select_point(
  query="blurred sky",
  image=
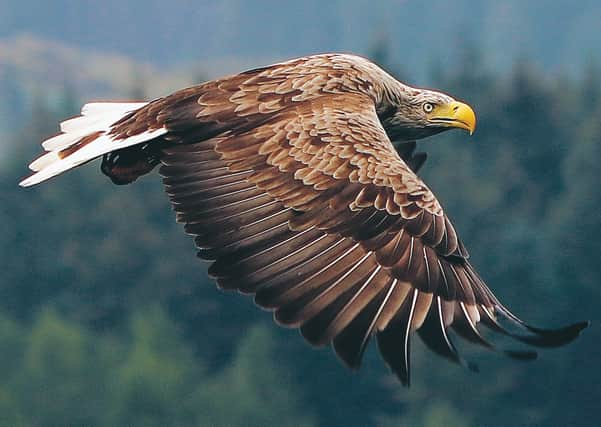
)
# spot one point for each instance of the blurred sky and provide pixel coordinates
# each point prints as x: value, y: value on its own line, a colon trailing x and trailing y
x: 558, y: 35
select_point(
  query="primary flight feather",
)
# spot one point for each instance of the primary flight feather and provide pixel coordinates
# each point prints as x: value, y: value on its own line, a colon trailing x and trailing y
x: 298, y: 180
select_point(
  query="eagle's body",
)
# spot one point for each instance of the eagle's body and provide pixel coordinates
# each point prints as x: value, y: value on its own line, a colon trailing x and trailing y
x: 288, y: 179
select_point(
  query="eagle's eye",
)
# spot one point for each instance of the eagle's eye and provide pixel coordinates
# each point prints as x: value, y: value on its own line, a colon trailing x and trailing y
x: 428, y: 107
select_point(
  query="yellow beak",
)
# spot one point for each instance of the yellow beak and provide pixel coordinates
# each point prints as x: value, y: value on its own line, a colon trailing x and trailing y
x: 455, y: 114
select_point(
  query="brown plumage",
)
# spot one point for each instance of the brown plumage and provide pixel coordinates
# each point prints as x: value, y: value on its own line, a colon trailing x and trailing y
x: 288, y: 179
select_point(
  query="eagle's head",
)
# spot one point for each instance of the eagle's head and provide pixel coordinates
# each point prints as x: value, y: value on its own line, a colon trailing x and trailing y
x: 420, y: 113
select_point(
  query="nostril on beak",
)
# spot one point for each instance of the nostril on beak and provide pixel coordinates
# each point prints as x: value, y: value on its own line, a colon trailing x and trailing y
x: 455, y: 108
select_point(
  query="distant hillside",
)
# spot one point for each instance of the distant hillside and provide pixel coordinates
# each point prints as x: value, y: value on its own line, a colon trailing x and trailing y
x: 39, y: 74
x: 38, y: 64
x: 34, y: 70
x: 31, y: 66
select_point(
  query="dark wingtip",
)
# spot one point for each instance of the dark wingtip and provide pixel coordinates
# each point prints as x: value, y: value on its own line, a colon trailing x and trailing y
x: 545, y: 337
x: 560, y: 336
x: 570, y: 330
x: 405, y: 379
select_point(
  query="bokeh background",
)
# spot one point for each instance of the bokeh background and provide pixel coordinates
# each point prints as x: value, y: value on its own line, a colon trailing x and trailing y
x: 108, y: 319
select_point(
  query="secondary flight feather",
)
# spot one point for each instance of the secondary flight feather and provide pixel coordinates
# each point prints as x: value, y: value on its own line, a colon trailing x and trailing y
x: 298, y: 181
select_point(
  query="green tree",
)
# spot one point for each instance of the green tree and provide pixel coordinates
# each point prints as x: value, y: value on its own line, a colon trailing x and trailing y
x: 256, y: 389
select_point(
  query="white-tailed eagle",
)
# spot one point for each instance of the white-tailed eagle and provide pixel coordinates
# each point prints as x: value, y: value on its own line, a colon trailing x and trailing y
x: 298, y: 181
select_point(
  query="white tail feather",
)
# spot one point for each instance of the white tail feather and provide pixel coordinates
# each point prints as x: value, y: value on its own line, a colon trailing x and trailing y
x: 82, y: 123
x: 43, y: 161
x: 96, y: 118
x: 94, y: 108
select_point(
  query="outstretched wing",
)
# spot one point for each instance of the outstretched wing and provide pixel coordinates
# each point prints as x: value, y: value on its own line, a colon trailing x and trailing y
x: 312, y: 211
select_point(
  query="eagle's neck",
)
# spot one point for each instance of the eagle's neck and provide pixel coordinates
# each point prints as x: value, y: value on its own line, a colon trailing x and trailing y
x: 389, y: 96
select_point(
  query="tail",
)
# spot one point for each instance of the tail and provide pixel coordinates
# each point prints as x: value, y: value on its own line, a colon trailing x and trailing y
x: 85, y: 138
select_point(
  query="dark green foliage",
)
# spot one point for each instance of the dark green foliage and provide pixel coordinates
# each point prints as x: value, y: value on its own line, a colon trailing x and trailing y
x: 59, y: 373
x: 109, y: 319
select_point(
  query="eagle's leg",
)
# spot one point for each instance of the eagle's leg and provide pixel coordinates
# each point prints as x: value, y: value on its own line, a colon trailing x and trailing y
x: 126, y: 165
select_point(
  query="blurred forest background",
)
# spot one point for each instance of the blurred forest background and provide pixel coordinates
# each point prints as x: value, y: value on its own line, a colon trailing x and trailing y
x: 106, y: 316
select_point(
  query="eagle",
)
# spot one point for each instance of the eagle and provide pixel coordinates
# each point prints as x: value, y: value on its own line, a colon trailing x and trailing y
x: 299, y: 183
